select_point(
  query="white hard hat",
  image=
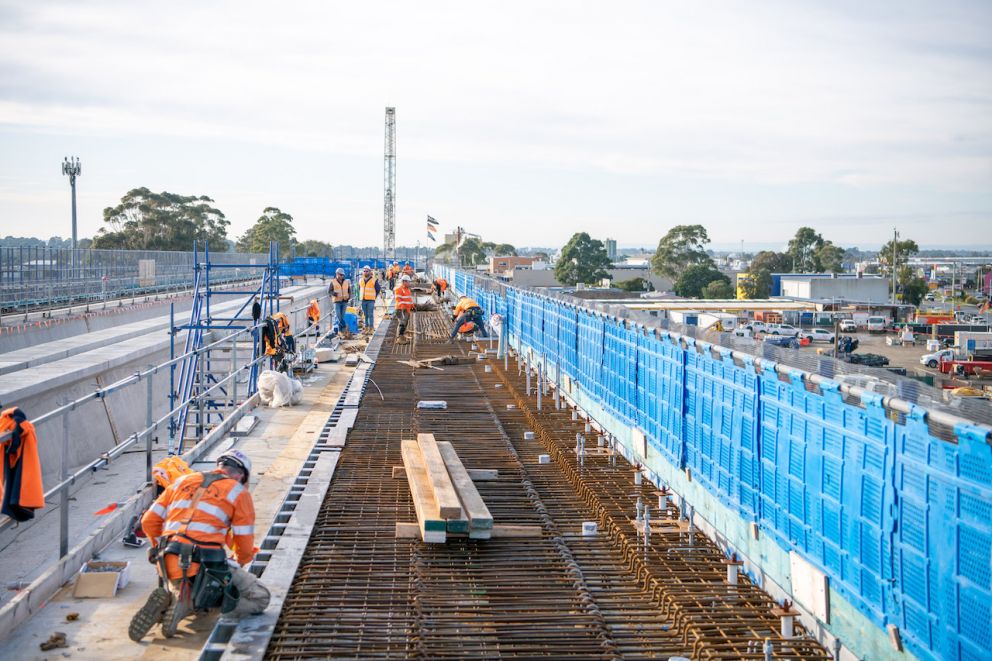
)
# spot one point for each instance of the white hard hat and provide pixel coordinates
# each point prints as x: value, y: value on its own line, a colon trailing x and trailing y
x: 366, y: 268
x: 340, y: 271
x: 239, y: 459
x: 405, y: 278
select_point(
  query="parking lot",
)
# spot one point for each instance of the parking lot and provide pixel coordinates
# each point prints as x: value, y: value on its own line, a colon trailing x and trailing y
x: 899, y: 356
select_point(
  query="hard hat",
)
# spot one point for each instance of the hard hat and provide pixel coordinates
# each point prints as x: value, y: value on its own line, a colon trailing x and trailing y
x: 405, y: 278
x: 238, y: 459
x: 340, y: 271
x: 396, y: 263
x: 366, y: 268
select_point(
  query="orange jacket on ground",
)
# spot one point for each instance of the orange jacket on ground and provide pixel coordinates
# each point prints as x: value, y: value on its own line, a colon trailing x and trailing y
x: 225, y: 505
x: 463, y: 305
x: 313, y: 312
x: 403, y: 297
x: 24, y: 493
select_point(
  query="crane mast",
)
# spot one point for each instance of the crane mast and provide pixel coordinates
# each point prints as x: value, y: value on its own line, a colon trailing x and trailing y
x: 389, y: 207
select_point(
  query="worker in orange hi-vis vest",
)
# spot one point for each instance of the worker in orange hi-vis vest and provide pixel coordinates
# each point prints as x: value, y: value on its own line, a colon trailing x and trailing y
x: 191, y: 521
x: 403, y: 297
x: 313, y: 315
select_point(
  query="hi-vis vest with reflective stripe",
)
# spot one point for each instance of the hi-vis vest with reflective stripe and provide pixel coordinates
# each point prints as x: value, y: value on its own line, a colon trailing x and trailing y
x: 366, y: 288
x: 341, y: 290
x: 403, y: 297
x: 225, y: 504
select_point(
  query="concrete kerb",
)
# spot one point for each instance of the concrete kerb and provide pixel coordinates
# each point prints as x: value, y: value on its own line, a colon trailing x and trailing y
x: 41, y: 590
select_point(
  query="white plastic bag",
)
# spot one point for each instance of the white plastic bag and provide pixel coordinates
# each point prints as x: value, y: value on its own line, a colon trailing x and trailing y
x: 297, y: 393
x: 274, y: 389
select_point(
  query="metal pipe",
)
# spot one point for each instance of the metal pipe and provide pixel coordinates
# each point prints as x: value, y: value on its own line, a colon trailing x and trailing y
x: 64, y: 493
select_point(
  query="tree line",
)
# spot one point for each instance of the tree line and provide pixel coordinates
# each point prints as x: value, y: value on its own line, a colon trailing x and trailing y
x: 682, y: 256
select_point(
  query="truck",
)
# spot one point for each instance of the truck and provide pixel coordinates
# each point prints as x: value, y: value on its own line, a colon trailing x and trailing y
x: 717, y: 321
x: 977, y: 345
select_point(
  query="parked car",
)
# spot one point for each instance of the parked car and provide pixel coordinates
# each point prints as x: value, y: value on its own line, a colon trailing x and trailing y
x: 933, y: 360
x: 818, y: 335
x: 750, y: 329
x: 783, y: 329
x: 875, y: 324
x: 848, y: 326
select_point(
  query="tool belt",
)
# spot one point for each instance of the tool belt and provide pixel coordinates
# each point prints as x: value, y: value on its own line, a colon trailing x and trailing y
x: 212, y: 585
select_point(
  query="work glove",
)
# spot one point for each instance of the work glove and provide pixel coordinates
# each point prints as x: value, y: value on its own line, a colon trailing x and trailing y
x: 153, y: 554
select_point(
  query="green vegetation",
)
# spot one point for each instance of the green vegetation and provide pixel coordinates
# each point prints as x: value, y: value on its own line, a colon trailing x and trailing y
x: 273, y: 225
x: 810, y: 253
x: 684, y: 246
x: 161, y: 221
x: 632, y: 285
x: 583, y: 259
x: 698, y: 277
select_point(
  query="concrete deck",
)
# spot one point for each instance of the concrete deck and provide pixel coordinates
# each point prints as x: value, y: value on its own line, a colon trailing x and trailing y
x: 277, y: 445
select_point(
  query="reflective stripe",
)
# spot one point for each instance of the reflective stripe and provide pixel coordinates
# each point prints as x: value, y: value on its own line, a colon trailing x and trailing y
x: 243, y: 530
x: 157, y: 509
x: 203, y: 527
x: 233, y: 494
x: 180, y: 504
x: 214, y: 511
x: 172, y: 525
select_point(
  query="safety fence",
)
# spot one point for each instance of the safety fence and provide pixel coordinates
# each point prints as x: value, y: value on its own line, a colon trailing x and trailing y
x: 36, y: 277
x: 325, y: 266
x: 891, y: 499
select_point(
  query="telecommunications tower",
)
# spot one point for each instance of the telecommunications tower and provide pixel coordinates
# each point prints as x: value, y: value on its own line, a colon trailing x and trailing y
x: 389, y: 207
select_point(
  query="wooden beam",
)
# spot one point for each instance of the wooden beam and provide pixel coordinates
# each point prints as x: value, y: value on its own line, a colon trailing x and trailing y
x: 430, y: 525
x: 480, y: 521
x: 411, y: 530
x: 477, y: 474
x: 444, y: 490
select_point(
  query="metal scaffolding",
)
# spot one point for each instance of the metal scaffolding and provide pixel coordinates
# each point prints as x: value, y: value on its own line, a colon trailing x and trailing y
x: 389, y: 209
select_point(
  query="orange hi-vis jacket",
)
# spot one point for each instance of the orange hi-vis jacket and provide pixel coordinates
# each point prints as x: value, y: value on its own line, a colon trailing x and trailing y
x: 442, y: 284
x: 313, y: 312
x: 225, y: 505
x: 283, y: 321
x: 23, y: 492
x: 403, y: 297
x: 464, y: 305
x: 341, y: 291
x: 408, y: 270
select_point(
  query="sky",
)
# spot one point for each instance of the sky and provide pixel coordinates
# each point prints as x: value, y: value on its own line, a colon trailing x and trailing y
x: 520, y: 121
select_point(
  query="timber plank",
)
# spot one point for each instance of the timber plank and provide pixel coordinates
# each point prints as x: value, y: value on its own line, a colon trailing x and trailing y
x: 479, y: 518
x: 430, y: 524
x: 444, y: 490
x: 411, y: 530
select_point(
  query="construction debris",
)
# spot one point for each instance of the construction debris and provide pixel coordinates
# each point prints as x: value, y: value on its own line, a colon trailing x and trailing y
x: 55, y: 641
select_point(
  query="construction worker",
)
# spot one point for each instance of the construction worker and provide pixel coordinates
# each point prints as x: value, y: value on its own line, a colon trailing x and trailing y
x: 392, y: 273
x: 285, y: 331
x: 21, y: 490
x: 189, y: 523
x: 468, y: 317
x: 340, y: 293
x: 440, y: 286
x: 368, y: 291
x: 404, y: 306
x: 313, y: 315
x: 408, y: 270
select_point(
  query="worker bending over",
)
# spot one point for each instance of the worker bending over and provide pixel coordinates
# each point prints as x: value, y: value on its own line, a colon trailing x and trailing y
x: 368, y: 291
x: 408, y: 270
x: 404, y: 306
x: 190, y: 523
x: 340, y: 293
x: 468, y: 317
x: 313, y: 315
x: 440, y: 286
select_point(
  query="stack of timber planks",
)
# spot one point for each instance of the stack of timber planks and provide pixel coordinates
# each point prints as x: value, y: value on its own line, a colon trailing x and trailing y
x: 444, y: 496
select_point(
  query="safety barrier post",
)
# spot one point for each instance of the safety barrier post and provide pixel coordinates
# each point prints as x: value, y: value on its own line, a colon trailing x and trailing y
x: 234, y: 369
x: 148, y: 427
x: 64, y: 493
x: 200, y: 424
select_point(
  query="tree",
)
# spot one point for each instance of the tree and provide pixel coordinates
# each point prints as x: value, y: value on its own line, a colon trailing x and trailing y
x: 719, y: 289
x: 682, y: 247
x: 913, y: 287
x: 471, y: 252
x: 161, y: 221
x: 766, y: 262
x: 904, y: 250
x: 504, y: 250
x: 803, y: 248
x: 830, y: 258
x: 273, y: 225
x: 634, y: 284
x: 314, y: 248
x: 695, y: 278
x: 542, y: 256
x: 583, y: 259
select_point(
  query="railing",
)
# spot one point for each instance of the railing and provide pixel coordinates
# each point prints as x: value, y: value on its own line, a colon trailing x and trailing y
x: 61, y: 490
x: 38, y: 277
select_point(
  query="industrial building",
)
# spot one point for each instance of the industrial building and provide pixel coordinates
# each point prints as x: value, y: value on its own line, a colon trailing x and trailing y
x: 831, y: 286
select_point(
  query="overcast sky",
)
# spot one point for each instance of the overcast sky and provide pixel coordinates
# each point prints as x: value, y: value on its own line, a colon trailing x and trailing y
x: 521, y: 121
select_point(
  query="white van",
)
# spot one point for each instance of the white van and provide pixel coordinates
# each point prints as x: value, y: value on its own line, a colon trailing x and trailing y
x: 875, y: 324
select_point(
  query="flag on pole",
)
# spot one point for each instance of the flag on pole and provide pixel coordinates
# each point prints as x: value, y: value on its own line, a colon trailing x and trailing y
x: 431, y: 237
x: 431, y: 221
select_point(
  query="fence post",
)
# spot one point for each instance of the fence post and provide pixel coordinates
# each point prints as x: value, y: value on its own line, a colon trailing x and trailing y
x: 64, y: 492
x: 234, y: 371
x: 200, y: 425
x: 148, y: 428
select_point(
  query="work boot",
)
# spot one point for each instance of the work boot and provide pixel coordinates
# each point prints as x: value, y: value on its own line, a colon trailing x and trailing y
x: 176, y: 613
x: 150, y: 614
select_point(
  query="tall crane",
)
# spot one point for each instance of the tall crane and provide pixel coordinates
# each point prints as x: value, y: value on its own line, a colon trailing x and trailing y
x: 389, y: 207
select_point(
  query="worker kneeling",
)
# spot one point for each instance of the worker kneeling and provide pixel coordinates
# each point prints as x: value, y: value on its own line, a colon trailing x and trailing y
x: 191, y: 521
x: 468, y: 317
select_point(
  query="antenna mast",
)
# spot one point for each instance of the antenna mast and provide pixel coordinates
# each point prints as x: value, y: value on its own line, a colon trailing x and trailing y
x: 389, y: 208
